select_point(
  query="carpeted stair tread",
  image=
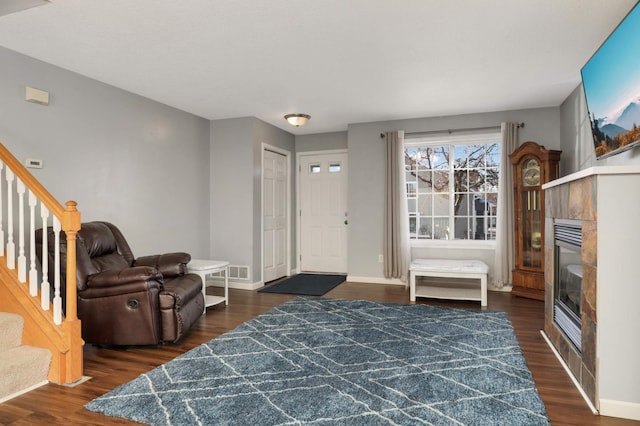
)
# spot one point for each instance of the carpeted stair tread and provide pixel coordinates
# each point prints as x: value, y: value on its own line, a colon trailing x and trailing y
x: 11, y: 326
x: 23, y: 367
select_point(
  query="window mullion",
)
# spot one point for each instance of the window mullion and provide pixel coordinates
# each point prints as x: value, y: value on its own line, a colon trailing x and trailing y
x: 452, y: 194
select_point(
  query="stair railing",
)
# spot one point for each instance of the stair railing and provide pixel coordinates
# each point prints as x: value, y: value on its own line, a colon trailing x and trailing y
x: 29, y: 193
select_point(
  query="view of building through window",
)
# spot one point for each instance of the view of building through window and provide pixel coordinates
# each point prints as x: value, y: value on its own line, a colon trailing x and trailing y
x: 452, y: 187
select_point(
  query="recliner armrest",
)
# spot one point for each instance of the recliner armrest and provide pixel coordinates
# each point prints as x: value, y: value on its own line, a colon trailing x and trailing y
x: 115, y: 277
x: 136, y: 287
x: 169, y: 264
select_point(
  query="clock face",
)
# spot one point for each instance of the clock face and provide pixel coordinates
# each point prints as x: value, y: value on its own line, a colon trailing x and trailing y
x: 531, y: 173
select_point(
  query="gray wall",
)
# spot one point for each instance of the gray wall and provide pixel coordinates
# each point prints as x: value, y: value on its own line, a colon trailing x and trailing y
x: 322, y: 142
x: 366, y: 177
x: 576, y: 141
x: 236, y: 189
x: 231, y: 197
x: 124, y: 158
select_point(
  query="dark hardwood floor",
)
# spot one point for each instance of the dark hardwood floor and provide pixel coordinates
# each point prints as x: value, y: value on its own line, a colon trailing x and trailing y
x: 108, y: 368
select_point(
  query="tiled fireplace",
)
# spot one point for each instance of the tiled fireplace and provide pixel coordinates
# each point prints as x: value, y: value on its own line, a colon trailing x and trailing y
x: 573, y: 203
x: 597, y: 280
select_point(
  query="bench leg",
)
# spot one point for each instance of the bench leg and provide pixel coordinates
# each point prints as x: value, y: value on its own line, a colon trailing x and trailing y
x: 483, y: 289
x: 412, y: 286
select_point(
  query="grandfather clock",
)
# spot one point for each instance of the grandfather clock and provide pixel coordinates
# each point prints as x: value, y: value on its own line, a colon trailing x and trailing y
x: 533, y: 166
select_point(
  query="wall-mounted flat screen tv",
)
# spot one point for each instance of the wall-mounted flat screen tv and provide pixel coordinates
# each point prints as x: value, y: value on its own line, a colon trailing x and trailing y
x: 611, y: 82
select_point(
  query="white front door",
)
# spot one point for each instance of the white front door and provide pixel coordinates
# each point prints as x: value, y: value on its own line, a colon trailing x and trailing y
x: 323, y: 212
x: 274, y: 193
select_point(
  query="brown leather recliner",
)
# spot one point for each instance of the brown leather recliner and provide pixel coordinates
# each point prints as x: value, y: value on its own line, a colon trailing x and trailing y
x: 127, y: 301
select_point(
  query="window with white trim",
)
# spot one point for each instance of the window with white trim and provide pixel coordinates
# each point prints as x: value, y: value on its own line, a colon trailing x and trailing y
x: 452, y: 186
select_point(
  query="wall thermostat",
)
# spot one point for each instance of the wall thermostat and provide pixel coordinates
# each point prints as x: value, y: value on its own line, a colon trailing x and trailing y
x: 36, y: 96
x: 32, y: 163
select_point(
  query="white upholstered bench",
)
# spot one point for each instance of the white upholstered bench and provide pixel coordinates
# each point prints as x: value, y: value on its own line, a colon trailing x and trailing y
x: 449, y: 268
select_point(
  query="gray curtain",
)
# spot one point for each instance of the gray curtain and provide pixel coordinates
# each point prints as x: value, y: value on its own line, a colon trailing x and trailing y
x: 396, y: 217
x: 505, y: 251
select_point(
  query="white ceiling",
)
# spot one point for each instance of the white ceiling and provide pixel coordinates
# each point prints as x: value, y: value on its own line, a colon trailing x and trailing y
x: 341, y: 61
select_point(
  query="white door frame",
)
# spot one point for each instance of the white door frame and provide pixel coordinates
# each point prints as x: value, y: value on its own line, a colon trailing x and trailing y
x: 299, y: 156
x: 287, y: 154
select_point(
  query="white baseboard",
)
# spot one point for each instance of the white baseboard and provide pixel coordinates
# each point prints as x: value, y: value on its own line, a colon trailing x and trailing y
x: 505, y: 289
x: 236, y: 284
x: 375, y: 280
x: 23, y: 391
x: 246, y: 286
x: 622, y: 409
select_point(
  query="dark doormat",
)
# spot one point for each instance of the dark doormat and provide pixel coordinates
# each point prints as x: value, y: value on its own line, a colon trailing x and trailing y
x: 306, y: 284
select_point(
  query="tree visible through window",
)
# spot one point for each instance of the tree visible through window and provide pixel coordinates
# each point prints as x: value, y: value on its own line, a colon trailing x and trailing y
x: 452, y: 187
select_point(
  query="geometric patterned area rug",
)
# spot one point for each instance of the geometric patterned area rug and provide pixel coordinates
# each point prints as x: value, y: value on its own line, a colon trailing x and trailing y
x: 333, y: 361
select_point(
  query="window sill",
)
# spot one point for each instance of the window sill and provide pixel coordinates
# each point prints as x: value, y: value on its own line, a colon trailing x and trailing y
x: 455, y: 244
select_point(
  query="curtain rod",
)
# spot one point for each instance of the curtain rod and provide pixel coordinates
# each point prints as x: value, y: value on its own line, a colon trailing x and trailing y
x: 450, y: 131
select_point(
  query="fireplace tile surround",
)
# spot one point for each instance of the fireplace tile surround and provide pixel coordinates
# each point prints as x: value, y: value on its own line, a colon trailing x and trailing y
x: 575, y: 200
x: 604, y: 200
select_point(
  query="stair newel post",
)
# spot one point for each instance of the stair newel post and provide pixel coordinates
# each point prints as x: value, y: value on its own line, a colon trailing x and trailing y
x: 22, y: 260
x: 72, y: 325
x: 33, y: 272
x: 44, y: 285
x: 71, y: 226
x: 11, y: 247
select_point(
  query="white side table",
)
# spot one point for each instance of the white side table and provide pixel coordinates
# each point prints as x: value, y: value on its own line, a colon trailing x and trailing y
x: 203, y: 268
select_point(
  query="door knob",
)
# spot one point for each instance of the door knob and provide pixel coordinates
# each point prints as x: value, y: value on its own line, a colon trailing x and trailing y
x: 346, y: 222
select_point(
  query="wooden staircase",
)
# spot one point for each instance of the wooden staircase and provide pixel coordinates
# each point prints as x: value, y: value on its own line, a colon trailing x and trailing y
x: 24, y: 288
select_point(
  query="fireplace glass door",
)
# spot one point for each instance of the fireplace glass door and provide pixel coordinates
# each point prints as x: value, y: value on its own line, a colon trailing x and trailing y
x: 568, y: 279
x: 570, y: 283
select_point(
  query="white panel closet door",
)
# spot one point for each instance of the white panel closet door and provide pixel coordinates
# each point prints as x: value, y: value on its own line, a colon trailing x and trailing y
x: 274, y: 216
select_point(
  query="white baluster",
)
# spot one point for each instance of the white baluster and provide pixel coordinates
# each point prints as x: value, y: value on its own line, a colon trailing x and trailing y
x: 57, y: 301
x: 1, y: 221
x: 44, y: 286
x: 11, y: 247
x: 33, y: 272
x: 22, y: 260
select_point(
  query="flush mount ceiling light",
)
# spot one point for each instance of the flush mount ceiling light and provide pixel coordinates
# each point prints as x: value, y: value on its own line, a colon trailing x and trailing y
x: 297, y: 119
